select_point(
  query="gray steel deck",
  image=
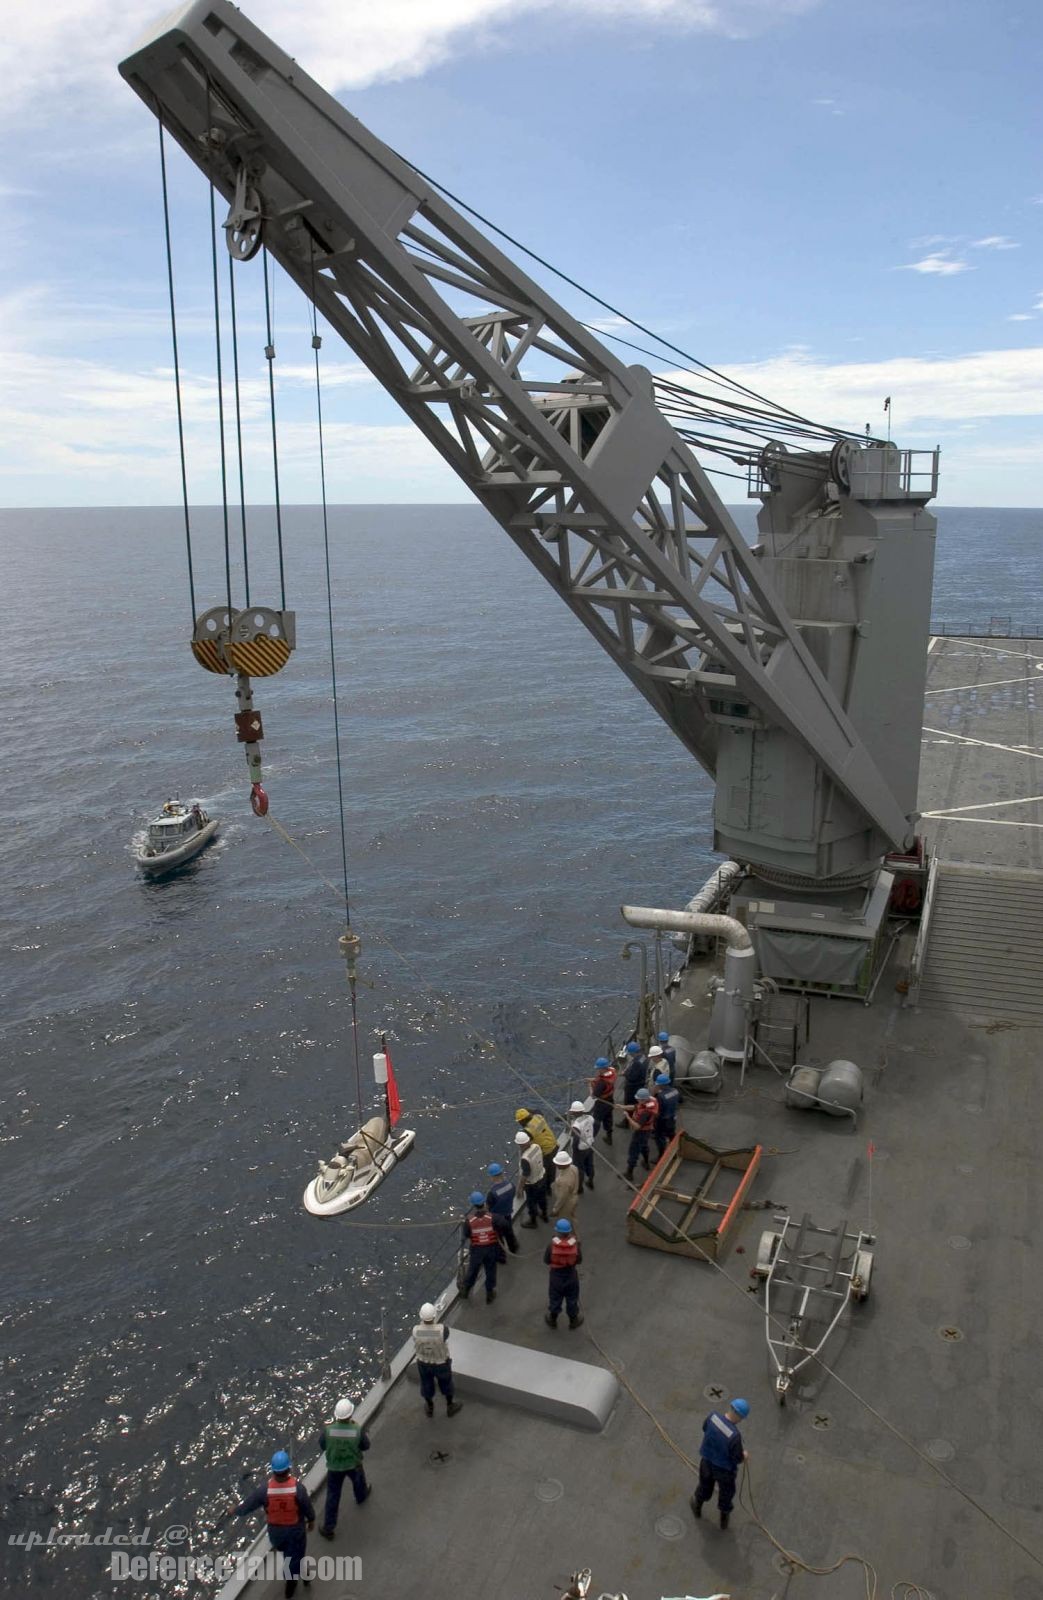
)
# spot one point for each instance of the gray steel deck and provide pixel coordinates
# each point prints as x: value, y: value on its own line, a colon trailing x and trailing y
x: 499, y: 1505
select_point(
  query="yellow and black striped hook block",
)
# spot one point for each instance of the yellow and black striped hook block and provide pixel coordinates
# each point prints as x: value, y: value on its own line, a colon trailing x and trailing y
x: 209, y: 638
x: 260, y: 640
x: 257, y: 640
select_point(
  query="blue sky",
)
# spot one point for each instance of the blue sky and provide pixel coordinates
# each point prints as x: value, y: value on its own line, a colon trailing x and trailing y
x: 831, y: 201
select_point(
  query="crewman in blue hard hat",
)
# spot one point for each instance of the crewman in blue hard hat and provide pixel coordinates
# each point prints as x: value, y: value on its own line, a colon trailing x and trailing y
x: 563, y: 1255
x: 669, y: 1054
x: 500, y: 1200
x: 635, y: 1076
x: 641, y: 1119
x: 720, y: 1456
x: 668, y: 1099
x: 289, y: 1512
x: 603, y: 1088
x: 479, y: 1232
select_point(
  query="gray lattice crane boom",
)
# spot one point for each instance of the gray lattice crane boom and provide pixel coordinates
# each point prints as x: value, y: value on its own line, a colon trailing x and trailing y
x: 561, y: 442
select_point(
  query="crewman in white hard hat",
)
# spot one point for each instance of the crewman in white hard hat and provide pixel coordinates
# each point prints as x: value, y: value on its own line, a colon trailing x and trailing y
x: 582, y: 1124
x: 532, y: 1177
x: 565, y: 1188
x: 433, y: 1363
x: 343, y: 1441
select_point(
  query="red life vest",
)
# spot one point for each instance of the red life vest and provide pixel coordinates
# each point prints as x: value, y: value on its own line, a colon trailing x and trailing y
x: 481, y: 1229
x: 604, y: 1084
x: 564, y: 1251
x: 281, y: 1508
x: 645, y: 1113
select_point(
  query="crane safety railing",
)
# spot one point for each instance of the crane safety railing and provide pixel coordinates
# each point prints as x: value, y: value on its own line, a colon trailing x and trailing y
x: 919, y: 956
x: 875, y: 475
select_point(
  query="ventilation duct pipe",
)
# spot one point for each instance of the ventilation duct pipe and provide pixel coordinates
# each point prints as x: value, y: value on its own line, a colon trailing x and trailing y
x: 733, y: 995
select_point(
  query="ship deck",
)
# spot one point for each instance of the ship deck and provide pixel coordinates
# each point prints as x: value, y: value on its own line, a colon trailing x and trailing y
x: 916, y: 1446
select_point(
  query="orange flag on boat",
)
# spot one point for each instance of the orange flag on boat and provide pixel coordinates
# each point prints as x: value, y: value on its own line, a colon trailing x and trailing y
x: 391, y: 1089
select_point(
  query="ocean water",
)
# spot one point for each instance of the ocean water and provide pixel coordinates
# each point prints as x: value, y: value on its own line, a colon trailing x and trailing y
x: 176, y: 1054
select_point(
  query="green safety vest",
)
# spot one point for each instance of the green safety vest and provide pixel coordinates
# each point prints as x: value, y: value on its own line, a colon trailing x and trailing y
x: 343, y: 1446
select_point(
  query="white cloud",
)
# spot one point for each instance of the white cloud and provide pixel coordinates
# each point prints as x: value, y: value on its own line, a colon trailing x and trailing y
x: 1021, y: 316
x: 69, y: 48
x: 925, y: 391
x: 939, y: 264
x: 832, y: 106
x: 107, y: 436
x: 995, y: 241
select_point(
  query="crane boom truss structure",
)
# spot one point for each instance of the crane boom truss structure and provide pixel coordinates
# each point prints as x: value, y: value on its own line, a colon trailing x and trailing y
x: 560, y: 441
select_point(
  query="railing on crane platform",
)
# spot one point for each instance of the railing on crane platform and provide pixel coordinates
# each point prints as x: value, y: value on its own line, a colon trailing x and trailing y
x: 876, y: 474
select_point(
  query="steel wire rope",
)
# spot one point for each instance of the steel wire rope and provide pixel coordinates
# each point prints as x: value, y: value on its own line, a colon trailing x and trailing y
x: 220, y: 376
x: 177, y: 366
x: 269, y: 352
x: 867, y: 1405
x: 605, y: 304
x: 316, y: 345
x: 451, y: 1006
x: 783, y: 422
x: 741, y: 1290
x: 668, y: 1439
x: 238, y: 424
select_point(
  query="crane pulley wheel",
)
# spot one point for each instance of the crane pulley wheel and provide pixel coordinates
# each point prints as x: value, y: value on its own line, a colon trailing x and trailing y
x: 244, y: 225
x: 258, y: 640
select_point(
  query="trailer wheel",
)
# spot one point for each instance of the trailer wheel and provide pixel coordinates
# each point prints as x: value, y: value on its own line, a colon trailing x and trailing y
x: 861, y: 1272
x: 766, y: 1252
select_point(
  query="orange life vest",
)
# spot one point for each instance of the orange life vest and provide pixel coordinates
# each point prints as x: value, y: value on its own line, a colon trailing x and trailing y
x: 564, y: 1251
x: 281, y: 1508
x: 604, y: 1084
x: 481, y: 1229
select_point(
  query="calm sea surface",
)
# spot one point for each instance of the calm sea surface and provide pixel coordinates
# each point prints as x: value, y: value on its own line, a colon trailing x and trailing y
x: 177, y: 1054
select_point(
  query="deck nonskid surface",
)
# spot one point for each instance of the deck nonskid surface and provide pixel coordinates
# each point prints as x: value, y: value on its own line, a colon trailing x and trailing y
x: 942, y: 1358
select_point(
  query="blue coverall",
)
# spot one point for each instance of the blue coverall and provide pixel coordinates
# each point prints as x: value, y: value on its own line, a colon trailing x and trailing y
x: 563, y: 1285
x: 720, y: 1458
x: 482, y: 1256
x: 500, y: 1201
x: 666, y: 1122
x: 291, y: 1542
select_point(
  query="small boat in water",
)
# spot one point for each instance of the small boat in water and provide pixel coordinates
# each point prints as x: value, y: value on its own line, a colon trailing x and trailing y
x: 174, y: 837
x: 360, y: 1164
x: 363, y: 1161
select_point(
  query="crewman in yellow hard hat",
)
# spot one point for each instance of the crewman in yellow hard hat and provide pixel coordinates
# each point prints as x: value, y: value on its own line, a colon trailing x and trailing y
x: 538, y: 1129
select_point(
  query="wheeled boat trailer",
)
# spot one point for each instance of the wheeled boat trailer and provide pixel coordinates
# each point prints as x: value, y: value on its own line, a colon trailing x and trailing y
x: 804, y: 1281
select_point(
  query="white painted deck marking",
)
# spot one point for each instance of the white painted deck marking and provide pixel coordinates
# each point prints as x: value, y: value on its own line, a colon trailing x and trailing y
x: 985, y: 805
x: 972, y: 644
x: 987, y: 744
x: 985, y: 822
x: 990, y: 683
